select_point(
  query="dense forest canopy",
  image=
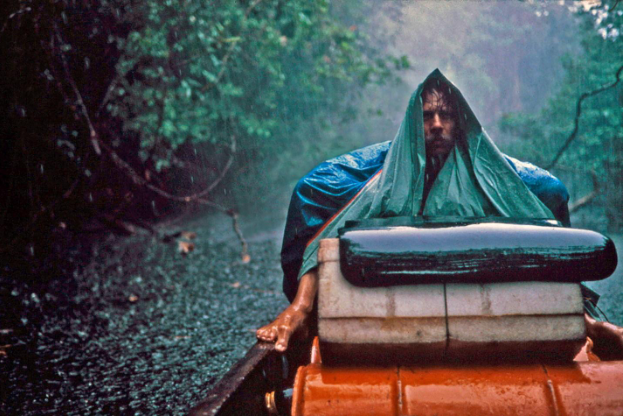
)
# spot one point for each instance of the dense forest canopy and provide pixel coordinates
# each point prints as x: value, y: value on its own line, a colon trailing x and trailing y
x: 578, y: 134
x: 118, y: 113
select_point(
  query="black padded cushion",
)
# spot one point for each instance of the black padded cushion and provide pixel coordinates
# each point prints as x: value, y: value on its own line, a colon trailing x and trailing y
x: 405, y: 250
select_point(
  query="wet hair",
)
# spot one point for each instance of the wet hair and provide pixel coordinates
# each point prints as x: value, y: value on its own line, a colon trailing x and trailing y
x: 442, y: 95
x: 447, y: 100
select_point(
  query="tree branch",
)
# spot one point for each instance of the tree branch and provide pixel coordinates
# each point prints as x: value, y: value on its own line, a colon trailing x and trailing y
x: 108, y: 94
x: 12, y: 15
x: 245, y: 248
x: 92, y: 133
x: 578, y: 112
x: 583, y: 201
x: 137, y: 179
x: 126, y: 167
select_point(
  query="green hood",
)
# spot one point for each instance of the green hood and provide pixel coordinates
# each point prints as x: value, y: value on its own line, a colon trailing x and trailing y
x: 475, y: 180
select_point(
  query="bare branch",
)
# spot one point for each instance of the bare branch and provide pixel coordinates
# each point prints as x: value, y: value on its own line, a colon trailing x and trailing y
x: 245, y: 248
x: 137, y: 179
x: 12, y: 15
x: 108, y: 94
x: 578, y: 112
x: 226, y: 168
x: 92, y: 133
x: 583, y: 201
x: 126, y: 167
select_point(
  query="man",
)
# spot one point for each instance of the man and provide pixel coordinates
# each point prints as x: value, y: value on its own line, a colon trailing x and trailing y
x: 440, y: 163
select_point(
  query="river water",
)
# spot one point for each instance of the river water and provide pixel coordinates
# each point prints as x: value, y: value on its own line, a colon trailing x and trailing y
x: 142, y: 329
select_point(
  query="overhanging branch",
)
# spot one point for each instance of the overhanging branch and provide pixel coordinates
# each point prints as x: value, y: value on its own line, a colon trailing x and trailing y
x: 583, y: 201
x: 137, y: 179
x: 578, y: 112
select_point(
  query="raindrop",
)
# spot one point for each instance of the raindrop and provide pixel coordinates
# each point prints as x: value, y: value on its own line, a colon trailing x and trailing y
x: 41, y: 168
x: 91, y: 197
x: 48, y: 75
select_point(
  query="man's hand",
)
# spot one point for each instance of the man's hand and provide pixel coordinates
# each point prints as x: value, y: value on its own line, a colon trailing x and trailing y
x: 294, y: 318
x: 283, y: 328
x: 607, y: 338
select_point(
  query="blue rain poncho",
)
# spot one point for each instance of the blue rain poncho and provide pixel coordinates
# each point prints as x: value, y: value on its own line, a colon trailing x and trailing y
x: 387, y: 179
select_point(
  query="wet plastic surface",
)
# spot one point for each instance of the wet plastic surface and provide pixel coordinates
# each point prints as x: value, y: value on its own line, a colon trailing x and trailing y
x: 478, y: 252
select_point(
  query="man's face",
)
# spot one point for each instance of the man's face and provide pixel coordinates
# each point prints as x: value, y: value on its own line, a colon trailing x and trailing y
x: 439, y: 124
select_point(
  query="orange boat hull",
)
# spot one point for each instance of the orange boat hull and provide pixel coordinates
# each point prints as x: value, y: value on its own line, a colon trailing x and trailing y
x: 584, y: 387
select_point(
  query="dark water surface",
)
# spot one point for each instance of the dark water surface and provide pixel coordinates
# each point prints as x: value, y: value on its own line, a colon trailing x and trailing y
x: 140, y: 329
x: 143, y: 330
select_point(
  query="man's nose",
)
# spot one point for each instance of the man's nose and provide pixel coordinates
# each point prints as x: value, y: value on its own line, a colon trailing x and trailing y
x: 436, y: 127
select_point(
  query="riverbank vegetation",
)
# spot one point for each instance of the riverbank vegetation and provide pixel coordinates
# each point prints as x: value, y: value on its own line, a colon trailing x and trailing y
x: 118, y: 113
x: 578, y: 134
x: 119, y: 117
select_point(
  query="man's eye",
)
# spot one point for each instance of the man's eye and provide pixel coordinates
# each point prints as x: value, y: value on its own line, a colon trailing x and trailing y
x: 446, y: 115
x: 428, y: 115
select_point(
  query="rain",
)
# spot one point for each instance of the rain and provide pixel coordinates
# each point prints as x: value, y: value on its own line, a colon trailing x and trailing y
x: 152, y: 148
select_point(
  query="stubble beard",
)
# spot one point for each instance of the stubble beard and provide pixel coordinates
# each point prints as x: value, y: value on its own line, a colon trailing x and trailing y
x: 435, y: 162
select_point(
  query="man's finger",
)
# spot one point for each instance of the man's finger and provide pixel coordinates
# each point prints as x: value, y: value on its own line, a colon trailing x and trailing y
x: 272, y: 334
x: 267, y: 334
x: 284, y: 332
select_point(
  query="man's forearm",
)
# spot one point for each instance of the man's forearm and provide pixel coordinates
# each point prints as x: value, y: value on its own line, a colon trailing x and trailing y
x: 306, y: 293
x: 294, y: 317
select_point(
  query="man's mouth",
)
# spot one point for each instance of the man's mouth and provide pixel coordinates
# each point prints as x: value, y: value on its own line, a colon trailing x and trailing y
x: 439, y: 143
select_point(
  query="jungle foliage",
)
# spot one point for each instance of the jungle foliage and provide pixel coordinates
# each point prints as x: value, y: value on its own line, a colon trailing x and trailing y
x: 118, y: 112
x: 592, y: 164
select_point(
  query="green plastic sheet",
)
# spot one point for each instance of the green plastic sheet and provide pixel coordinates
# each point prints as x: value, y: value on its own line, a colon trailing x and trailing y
x: 475, y: 181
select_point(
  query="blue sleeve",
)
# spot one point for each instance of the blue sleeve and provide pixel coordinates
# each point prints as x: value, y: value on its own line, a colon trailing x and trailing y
x: 549, y: 189
x: 318, y: 196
